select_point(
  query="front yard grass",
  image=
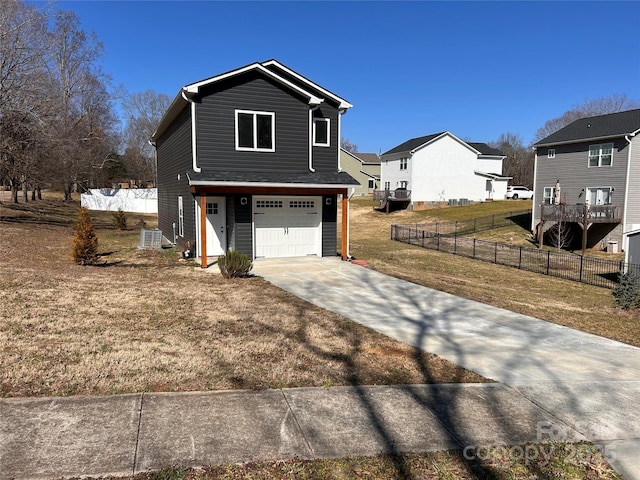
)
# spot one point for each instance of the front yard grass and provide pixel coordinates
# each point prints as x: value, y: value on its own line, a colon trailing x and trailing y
x: 150, y: 321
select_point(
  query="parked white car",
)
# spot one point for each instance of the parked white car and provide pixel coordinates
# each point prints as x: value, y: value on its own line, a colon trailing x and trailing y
x: 516, y: 192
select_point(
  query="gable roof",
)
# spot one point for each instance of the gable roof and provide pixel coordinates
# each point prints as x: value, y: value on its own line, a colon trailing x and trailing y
x: 596, y: 128
x: 294, y: 82
x: 368, y: 158
x: 419, y: 142
x: 413, y: 144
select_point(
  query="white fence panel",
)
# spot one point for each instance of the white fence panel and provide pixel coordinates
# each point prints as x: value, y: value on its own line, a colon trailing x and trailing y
x: 133, y: 200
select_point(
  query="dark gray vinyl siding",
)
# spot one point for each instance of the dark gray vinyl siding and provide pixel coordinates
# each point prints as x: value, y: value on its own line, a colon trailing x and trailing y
x: 325, y: 159
x: 174, y: 158
x: 633, y: 198
x: 329, y: 225
x: 216, y: 126
x: 570, y: 166
x: 242, y: 226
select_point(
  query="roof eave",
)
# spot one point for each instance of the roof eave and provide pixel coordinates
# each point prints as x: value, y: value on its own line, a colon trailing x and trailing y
x: 589, y: 139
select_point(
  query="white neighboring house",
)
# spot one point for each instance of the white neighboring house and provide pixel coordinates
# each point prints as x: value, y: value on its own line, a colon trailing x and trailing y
x: 442, y: 167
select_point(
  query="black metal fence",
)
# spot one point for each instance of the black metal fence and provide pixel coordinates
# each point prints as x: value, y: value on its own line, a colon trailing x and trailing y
x: 589, y: 270
x: 480, y: 224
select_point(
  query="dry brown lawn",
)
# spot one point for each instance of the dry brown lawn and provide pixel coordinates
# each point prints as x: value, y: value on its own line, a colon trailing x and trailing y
x: 148, y: 321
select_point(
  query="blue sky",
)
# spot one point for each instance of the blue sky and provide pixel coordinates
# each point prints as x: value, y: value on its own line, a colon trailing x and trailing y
x: 477, y: 69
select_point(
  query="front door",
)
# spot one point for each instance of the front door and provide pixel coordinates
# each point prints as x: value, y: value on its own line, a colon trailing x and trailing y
x: 216, y: 223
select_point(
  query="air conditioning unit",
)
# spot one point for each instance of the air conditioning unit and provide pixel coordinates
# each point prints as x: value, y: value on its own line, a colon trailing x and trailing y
x: 150, y: 239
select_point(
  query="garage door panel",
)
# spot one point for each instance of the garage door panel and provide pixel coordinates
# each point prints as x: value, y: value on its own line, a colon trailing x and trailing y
x: 287, y: 226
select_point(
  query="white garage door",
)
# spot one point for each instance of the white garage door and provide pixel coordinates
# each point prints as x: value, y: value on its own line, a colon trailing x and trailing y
x: 287, y: 226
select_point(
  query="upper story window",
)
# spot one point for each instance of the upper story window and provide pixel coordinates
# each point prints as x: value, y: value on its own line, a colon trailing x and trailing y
x: 403, y: 163
x: 601, y: 155
x: 255, y: 131
x: 551, y: 153
x: 321, y: 132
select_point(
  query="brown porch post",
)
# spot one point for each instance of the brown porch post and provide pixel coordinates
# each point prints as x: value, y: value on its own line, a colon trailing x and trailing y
x: 203, y: 230
x: 345, y: 225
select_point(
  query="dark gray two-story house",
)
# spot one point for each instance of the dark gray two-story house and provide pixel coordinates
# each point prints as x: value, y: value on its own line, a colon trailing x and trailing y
x: 588, y: 174
x: 249, y: 160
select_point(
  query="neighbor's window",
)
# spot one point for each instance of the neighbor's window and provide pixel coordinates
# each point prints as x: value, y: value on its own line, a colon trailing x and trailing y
x: 387, y: 185
x: 321, y: 132
x: 551, y: 153
x: 601, y: 155
x: 372, y: 184
x: 255, y: 131
x: 403, y: 163
x: 547, y: 197
x: 180, y: 217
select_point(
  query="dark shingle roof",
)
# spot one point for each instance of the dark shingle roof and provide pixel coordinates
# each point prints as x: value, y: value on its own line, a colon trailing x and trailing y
x: 601, y: 126
x: 485, y: 149
x: 339, y: 179
x: 409, y: 145
x: 368, y: 157
x: 413, y: 143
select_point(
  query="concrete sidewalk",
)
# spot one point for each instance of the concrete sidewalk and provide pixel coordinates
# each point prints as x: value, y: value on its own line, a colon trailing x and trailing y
x: 126, y: 434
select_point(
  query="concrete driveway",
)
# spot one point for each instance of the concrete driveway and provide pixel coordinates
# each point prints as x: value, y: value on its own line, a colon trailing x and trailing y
x: 589, y: 382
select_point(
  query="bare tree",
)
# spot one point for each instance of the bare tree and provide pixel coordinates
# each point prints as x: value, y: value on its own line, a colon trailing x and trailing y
x: 588, y: 108
x: 519, y: 159
x: 144, y: 111
x: 85, y: 119
x: 345, y: 144
x: 22, y: 119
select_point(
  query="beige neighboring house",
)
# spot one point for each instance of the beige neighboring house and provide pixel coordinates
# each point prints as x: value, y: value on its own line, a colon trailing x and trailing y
x: 364, y: 167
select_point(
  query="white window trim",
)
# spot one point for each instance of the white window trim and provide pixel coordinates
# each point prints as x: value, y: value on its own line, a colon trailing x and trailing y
x: 255, y: 114
x: 599, y: 146
x: 551, y: 153
x: 549, y: 198
x: 371, y: 184
x: 404, y: 163
x: 590, y: 189
x: 328, y: 122
x: 180, y: 217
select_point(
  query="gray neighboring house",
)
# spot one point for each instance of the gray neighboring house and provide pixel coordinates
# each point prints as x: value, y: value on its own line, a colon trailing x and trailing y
x: 592, y: 167
x: 364, y: 167
x: 249, y: 160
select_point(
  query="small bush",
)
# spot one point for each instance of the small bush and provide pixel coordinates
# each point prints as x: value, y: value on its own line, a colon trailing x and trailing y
x: 85, y: 242
x: 119, y: 219
x: 234, y: 264
x: 627, y: 292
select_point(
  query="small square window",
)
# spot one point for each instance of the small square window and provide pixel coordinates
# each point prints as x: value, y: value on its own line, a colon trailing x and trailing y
x: 551, y: 153
x: 212, y: 208
x: 321, y: 132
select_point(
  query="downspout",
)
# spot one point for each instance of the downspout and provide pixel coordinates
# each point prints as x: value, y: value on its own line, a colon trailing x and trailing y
x: 311, y: 110
x: 535, y: 187
x: 341, y: 112
x: 193, y: 132
x: 353, y: 191
x: 626, y: 194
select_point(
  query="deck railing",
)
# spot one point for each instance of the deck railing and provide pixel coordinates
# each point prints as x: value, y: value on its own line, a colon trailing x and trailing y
x: 397, y: 194
x: 581, y: 213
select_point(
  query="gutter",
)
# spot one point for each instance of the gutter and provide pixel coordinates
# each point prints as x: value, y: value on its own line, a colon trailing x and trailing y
x: 193, y: 130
